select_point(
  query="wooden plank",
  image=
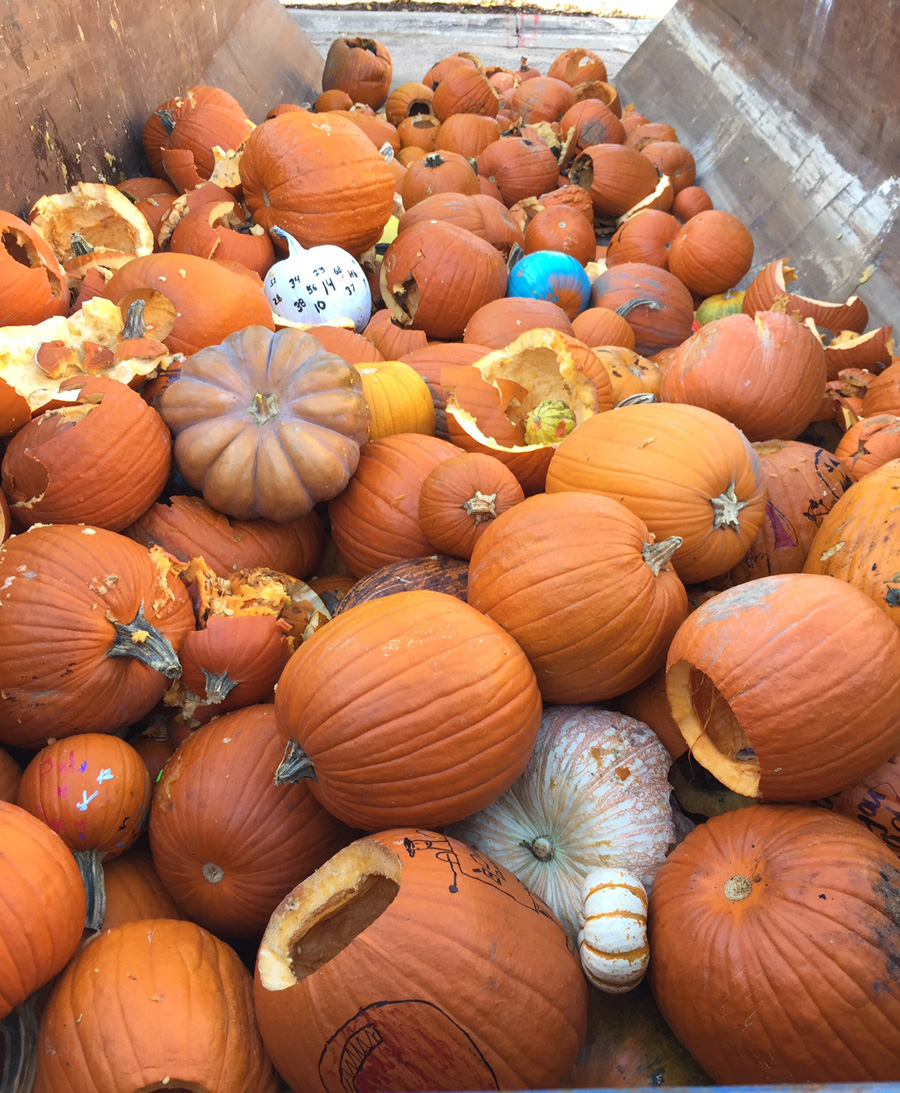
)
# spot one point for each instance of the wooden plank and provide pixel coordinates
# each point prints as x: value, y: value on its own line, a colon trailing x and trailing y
x: 792, y: 112
x: 78, y: 82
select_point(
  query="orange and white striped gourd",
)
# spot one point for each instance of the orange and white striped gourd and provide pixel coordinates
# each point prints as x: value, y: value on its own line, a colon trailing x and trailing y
x: 612, y: 941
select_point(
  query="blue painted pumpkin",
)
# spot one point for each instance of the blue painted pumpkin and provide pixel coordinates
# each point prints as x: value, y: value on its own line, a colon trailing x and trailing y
x: 551, y: 275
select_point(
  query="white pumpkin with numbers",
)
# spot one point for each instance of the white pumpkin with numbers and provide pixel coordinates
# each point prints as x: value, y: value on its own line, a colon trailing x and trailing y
x: 612, y: 941
x: 595, y: 794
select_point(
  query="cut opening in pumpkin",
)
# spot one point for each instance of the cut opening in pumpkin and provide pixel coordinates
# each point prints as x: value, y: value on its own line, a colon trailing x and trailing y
x: 714, y: 735
x: 325, y: 913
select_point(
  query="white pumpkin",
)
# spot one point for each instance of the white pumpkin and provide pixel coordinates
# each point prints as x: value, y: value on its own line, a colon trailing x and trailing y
x: 612, y: 941
x: 595, y: 794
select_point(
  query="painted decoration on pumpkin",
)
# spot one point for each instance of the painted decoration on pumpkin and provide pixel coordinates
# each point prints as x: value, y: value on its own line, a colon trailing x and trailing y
x: 318, y: 285
x: 551, y: 275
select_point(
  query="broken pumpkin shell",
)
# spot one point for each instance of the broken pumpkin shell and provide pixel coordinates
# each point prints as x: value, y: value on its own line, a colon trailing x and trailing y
x: 772, y: 281
x: 33, y: 284
x: 99, y: 214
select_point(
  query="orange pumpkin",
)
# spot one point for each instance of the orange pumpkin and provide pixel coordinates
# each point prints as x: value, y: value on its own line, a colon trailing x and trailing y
x: 500, y: 322
x: 711, y: 253
x: 361, y: 67
x: 132, y: 890
x: 645, y: 237
x: 345, y: 1017
x: 10, y: 777
x: 617, y: 177
x: 33, y: 284
x: 690, y: 202
x: 467, y: 134
x: 464, y: 89
x: 392, y: 340
x: 868, y: 444
x: 481, y: 693
x: 874, y: 801
x: 655, y: 303
x: 437, y: 173
x: 789, y: 903
x: 771, y: 282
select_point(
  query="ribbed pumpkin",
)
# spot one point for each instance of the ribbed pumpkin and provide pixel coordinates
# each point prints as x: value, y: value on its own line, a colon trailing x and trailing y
x: 752, y: 659
x: 792, y: 977
x: 399, y: 399
x: 181, y: 1016
x: 712, y: 252
x: 42, y: 905
x: 361, y: 67
x: 614, y: 631
x: 438, y: 172
x: 875, y: 801
x: 480, y: 949
x: 868, y: 444
x: 612, y: 941
x: 655, y: 303
x: 683, y: 470
x: 467, y: 134
x: 432, y: 573
x: 294, y: 171
x: 465, y: 90
x: 859, y: 540
x: 502, y: 321
x: 132, y: 890
x: 461, y: 497
x: 803, y: 483
x: 766, y: 374
x: 187, y: 527
x: 645, y: 237
x: 380, y: 753
x: 108, y: 617
x: 226, y: 841
x: 375, y: 520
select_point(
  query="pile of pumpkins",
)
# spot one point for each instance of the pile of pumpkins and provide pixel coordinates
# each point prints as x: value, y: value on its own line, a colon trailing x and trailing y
x: 433, y: 599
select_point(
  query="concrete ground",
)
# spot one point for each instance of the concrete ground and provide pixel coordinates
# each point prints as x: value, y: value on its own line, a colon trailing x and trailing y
x: 418, y: 37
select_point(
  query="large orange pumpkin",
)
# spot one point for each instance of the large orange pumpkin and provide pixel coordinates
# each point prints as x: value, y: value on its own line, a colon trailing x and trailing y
x: 577, y: 580
x: 656, y: 304
x: 421, y: 960
x: 712, y: 252
x: 790, y: 973
x: 414, y: 708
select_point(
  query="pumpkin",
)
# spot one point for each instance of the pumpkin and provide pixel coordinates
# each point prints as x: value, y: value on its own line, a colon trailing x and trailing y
x: 481, y: 693
x: 182, y: 1015
x: 617, y: 177
x: 353, y: 347
x: 187, y: 526
x: 294, y: 171
x: 642, y: 135
x: 718, y: 306
x: 266, y: 424
x: 630, y: 374
x: 100, y: 458
x: 751, y: 659
x: 883, y: 393
x: 673, y: 160
x: 210, y: 300
x: 467, y: 134
x: 132, y: 890
x: 803, y: 483
x: 766, y: 374
x: 868, y: 444
x: 42, y: 905
x: 712, y: 252
x: 599, y: 326
x: 857, y: 541
x: 771, y: 282
x: 874, y: 801
x: 615, y: 632
x: 409, y: 100
x: 594, y: 123
x: 649, y: 703
x: 594, y: 795
x: 519, y: 168
x: 564, y: 231
x: 10, y: 777
x: 438, y: 173
x: 551, y: 275
x: 216, y: 231
x: 464, y: 90
x: 688, y: 473
x: 109, y: 618
x: 33, y: 284
x: 612, y: 939
x: 361, y: 67
x: 645, y: 237
x: 155, y: 750
x: 502, y: 321
x: 576, y: 65
x: 690, y: 202
x: 794, y: 913
x: 392, y: 340
x: 177, y: 125
x: 435, y: 276
x: 227, y: 842
x: 655, y: 303
x: 399, y: 400
x: 92, y: 790
x: 459, y: 919
x: 460, y: 497
x: 418, y: 134
x: 433, y: 573
x: 375, y: 520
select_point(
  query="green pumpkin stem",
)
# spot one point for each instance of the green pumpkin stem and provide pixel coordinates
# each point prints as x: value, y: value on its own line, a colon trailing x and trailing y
x: 90, y: 865
x: 294, y: 766
x: 18, y: 1048
x: 145, y: 643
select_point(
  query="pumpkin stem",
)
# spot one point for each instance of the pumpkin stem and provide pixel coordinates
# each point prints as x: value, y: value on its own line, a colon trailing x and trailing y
x: 738, y: 887
x: 80, y: 245
x: 639, y: 301
x: 295, y: 764
x: 263, y: 407
x: 726, y: 508
x: 541, y: 846
x: 218, y: 687
x: 134, y: 327
x: 637, y: 399
x: 90, y: 865
x: 145, y: 643
x: 481, y: 506
x: 212, y: 872
x: 168, y: 120
x: 658, y: 555
x: 434, y: 159
x: 18, y: 1047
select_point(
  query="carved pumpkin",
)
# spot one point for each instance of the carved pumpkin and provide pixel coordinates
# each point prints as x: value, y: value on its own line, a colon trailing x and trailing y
x: 33, y: 284
x: 868, y: 444
x: 227, y: 842
x: 883, y: 393
x: 337, y: 701
x: 184, y: 1012
x: 221, y: 116
x: 266, y: 425
x: 392, y: 340
x: 617, y: 177
x: 109, y: 618
x: 772, y: 281
x: 344, y: 1013
x: 361, y: 67
x: 525, y: 560
x: 752, y: 657
x: 594, y: 795
x: 709, y: 491
x: 409, y: 100
x: 758, y: 885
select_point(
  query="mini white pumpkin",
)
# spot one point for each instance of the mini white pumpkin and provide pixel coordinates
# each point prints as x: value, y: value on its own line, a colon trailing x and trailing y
x: 595, y: 794
x: 318, y: 285
x: 612, y: 941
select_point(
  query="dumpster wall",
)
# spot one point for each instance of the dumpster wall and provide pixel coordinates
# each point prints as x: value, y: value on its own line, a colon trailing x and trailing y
x: 792, y: 111
x: 77, y: 83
